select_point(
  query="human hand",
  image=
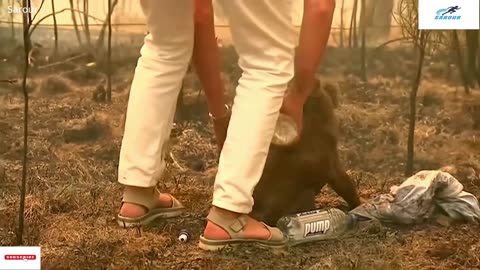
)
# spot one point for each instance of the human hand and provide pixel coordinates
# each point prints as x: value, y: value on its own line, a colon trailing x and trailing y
x: 292, y: 114
x: 220, y: 126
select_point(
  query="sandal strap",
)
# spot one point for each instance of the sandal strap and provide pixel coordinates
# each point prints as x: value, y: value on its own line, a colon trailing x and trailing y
x: 175, y: 203
x: 275, y: 233
x: 145, y: 198
x: 233, y: 227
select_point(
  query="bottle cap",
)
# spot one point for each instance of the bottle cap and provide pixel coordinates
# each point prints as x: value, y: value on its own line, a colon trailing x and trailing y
x: 352, y: 220
x: 184, y: 235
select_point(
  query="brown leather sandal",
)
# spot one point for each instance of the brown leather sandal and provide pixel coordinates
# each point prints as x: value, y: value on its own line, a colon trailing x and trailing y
x: 235, y: 229
x: 152, y: 213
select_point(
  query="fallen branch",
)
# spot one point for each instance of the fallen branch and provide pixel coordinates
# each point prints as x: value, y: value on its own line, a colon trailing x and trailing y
x: 176, y: 163
x: 407, y: 39
x: 9, y: 81
x: 57, y: 196
x: 63, y: 61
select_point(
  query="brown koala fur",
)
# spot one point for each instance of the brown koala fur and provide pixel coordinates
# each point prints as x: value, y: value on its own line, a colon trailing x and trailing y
x: 294, y: 175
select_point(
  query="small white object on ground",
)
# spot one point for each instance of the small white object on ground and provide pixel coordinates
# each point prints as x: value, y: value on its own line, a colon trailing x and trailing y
x: 184, y: 235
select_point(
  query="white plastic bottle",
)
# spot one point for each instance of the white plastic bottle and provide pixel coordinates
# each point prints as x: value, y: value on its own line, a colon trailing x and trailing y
x: 316, y: 225
x: 285, y: 130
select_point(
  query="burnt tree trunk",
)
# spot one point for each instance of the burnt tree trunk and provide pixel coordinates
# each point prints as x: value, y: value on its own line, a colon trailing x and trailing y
x: 86, y: 23
x: 12, y: 22
x: 472, y: 59
x: 101, y: 36
x: 363, y: 69
x: 459, y: 57
x: 75, y: 24
x: 413, y: 105
x: 378, y: 19
x: 355, y: 27
x: 352, y: 32
x: 109, y: 53
x: 27, y: 22
x: 55, y: 28
x: 342, y: 24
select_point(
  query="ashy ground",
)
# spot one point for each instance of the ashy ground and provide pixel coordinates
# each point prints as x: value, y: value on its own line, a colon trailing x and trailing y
x: 74, y: 145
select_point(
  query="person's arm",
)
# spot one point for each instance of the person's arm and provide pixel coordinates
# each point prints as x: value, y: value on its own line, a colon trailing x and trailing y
x: 206, y: 57
x: 206, y: 60
x: 314, y: 34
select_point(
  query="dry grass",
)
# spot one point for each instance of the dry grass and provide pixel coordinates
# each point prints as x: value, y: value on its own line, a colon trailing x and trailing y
x: 73, y: 195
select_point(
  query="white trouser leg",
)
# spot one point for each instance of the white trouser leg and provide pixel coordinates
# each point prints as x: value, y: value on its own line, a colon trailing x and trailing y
x: 164, y: 59
x: 264, y: 38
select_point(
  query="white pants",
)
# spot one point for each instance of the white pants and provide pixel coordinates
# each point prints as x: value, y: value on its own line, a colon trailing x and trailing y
x: 264, y: 38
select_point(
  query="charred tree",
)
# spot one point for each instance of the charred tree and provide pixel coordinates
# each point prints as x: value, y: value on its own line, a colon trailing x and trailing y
x: 363, y: 54
x: 55, y: 28
x: 101, y: 36
x: 86, y: 23
x: 342, y: 24
x: 382, y: 19
x: 459, y: 57
x: 355, y: 27
x: 75, y: 24
x: 109, y: 53
x: 27, y: 22
x: 473, y: 57
x: 421, y: 46
x: 377, y: 19
x: 12, y: 21
x: 352, y: 35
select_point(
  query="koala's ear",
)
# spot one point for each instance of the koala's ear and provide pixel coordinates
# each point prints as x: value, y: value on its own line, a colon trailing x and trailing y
x: 332, y: 91
x: 326, y: 89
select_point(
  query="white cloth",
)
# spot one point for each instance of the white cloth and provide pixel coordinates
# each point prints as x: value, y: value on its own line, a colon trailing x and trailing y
x: 419, y: 198
x: 264, y: 38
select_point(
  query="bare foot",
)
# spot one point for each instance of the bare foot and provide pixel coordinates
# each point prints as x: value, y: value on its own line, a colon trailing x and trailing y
x: 134, y: 210
x: 253, y: 229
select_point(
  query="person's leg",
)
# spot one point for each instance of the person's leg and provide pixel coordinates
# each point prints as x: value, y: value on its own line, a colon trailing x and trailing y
x: 265, y: 39
x: 164, y: 60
